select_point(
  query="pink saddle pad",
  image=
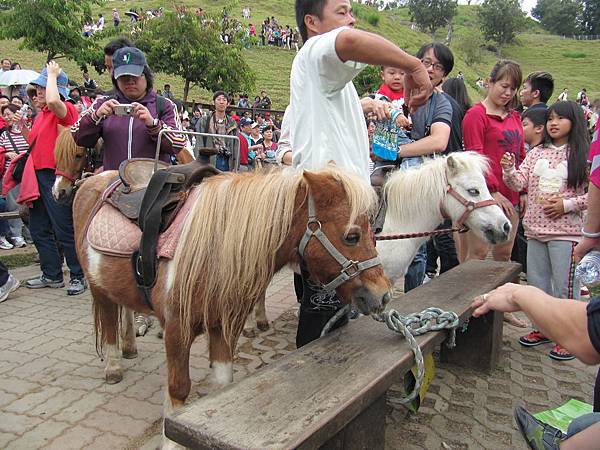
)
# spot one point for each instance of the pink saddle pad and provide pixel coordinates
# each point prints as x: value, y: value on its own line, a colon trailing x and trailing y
x: 111, y: 233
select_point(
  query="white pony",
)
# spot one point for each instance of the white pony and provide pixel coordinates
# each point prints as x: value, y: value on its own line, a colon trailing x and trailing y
x: 418, y: 200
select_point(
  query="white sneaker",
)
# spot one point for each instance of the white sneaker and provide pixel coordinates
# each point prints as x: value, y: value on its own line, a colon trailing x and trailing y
x: 4, y: 244
x: 11, y: 285
x: 19, y: 242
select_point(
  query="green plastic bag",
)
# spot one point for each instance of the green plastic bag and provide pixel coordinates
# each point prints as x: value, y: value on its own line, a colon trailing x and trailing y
x: 562, y: 416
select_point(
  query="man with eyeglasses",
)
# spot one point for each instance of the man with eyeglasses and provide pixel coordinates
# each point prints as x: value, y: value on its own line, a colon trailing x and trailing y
x: 436, y: 130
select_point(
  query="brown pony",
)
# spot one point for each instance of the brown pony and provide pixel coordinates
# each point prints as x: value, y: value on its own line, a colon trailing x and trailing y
x: 218, y: 273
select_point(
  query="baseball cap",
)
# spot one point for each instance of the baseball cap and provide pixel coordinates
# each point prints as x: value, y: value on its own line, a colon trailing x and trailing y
x: 128, y: 61
x: 254, y: 125
x: 245, y: 121
x: 62, y: 80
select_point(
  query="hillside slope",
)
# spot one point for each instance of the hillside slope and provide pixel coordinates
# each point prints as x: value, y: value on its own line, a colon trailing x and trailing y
x: 534, y: 50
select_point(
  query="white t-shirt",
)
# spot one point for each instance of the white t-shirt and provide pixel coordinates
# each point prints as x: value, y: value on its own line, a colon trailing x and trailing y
x: 327, y: 121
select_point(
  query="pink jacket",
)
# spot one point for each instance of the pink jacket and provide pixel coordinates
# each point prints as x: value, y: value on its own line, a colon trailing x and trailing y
x: 544, y: 174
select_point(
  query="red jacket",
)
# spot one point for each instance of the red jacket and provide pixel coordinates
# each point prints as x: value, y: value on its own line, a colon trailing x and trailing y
x: 29, y: 191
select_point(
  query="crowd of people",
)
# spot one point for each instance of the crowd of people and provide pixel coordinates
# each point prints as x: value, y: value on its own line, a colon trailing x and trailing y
x: 538, y: 153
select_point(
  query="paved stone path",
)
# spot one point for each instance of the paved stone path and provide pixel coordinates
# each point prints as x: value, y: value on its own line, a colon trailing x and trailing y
x: 53, y: 395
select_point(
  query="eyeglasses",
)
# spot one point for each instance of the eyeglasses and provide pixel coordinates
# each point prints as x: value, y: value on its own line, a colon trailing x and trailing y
x: 437, y: 66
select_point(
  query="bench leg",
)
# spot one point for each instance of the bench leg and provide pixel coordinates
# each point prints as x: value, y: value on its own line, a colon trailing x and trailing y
x: 366, y: 431
x: 479, y: 346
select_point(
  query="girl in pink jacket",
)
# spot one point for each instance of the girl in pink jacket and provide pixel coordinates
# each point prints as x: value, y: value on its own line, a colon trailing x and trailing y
x: 555, y: 177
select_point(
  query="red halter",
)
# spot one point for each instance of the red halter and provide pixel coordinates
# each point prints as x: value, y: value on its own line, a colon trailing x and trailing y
x: 470, y: 206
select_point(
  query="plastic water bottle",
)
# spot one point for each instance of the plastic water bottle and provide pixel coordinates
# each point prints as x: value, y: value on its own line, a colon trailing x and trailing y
x: 588, y: 272
x: 18, y: 126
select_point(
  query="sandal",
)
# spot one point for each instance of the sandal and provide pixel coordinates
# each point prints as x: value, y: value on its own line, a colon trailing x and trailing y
x: 560, y: 354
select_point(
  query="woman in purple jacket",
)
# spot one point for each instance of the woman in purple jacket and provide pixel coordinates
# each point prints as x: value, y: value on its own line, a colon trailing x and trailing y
x: 129, y: 120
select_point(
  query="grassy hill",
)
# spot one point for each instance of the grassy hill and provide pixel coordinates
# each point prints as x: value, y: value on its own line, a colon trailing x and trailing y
x: 571, y: 62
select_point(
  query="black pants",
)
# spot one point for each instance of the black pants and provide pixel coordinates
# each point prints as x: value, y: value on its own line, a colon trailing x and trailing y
x: 444, y: 247
x: 3, y: 274
x: 519, y: 250
x: 313, y: 318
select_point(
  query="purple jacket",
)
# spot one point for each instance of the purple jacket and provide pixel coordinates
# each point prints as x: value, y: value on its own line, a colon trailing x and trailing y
x: 126, y: 137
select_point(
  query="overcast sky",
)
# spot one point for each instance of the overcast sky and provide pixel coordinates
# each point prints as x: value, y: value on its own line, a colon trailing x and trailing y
x: 527, y: 4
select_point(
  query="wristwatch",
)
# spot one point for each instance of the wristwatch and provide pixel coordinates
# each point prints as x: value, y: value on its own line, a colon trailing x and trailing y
x: 155, y: 123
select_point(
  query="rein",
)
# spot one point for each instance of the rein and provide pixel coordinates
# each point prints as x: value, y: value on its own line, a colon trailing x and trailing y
x: 470, y: 206
x: 89, y: 167
x: 350, y: 268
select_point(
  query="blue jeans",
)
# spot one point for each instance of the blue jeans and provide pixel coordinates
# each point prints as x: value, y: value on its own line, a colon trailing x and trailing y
x: 582, y: 422
x: 416, y: 271
x: 4, y: 228
x: 50, y: 222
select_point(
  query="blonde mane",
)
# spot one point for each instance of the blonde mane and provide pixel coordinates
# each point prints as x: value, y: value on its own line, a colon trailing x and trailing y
x: 423, y: 187
x: 229, y: 242
x: 65, y: 148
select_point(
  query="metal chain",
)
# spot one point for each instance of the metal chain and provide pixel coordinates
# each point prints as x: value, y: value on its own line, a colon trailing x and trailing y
x: 430, y: 319
x: 409, y: 326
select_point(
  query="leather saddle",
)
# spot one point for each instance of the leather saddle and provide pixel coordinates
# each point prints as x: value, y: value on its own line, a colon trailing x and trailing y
x: 153, y: 199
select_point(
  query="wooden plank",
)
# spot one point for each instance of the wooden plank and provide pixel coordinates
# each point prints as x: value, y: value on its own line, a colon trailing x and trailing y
x: 305, y: 398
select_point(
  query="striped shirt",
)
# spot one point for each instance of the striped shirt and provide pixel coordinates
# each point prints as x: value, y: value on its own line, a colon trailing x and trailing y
x: 20, y: 144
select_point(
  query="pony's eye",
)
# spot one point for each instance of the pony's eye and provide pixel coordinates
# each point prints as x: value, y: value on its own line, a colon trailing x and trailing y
x: 473, y: 192
x: 352, y: 238
x: 78, y: 156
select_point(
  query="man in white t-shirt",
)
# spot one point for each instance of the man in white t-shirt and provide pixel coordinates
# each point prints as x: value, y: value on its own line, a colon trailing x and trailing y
x: 326, y: 117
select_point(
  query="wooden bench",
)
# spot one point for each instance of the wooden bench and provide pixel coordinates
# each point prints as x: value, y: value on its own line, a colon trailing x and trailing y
x: 331, y: 393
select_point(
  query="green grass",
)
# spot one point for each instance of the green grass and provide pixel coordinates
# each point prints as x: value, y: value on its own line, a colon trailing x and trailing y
x: 18, y: 259
x: 534, y: 50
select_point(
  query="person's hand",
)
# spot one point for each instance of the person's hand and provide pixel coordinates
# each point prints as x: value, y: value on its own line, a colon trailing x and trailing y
x: 500, y: 299
x: 378, y: 108
x: 417, y: 87
x: 507, y: 207
x: 522, y: 205
x: 554, y: 208
x: 107, y: 108
x: 142, y: 113
x: 10, y: 155
x: 586, y: 245
x: 507, y: 161
x: 53, y: 68
x: 402, y: 121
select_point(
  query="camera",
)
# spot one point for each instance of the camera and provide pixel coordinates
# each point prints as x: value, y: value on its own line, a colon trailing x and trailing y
x: 123, y: 110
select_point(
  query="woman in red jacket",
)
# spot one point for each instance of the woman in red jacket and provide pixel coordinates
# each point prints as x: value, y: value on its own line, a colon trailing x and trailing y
x: 493, y: 127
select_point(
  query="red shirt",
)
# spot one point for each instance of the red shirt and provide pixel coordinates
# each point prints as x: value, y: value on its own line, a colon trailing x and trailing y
x: 493, y: 136
x: 243, y: 149
x: 384, y: 89
x: 45, y: 132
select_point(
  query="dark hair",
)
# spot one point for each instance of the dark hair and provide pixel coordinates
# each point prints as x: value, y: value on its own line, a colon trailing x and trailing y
x: 149, y: 79
x: 217, y: 93
x: 455, y: 88
x: 441, y: 52
x: 269, y: 128
x: 167, y: 86
x: 14, y: 65
x: 16, y: 96
x: 4, y: 59
x: 511, y: 70
x: 13, y: 108
x: 579, y: 141
x: 538, y: 116
x: 304, y: 7
x: 543, y: 82
x: 5, y: 96
x: 116, y: 44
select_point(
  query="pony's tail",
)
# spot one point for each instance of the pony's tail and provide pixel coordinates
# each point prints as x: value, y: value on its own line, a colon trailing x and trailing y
x: 106, y: 316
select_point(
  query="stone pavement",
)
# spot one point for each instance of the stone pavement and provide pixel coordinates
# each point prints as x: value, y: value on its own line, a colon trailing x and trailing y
x: 53, y: 395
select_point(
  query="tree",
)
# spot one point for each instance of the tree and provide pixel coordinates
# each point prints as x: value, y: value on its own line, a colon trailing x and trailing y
x: 186, y: 47
x: 501, y: 20
x: 590, y: 17
x: 432, y: 14
x: 558, y: 16
x: 367, y: 81
x: 50, y: 26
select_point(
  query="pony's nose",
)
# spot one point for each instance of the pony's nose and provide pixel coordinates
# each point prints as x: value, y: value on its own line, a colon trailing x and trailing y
x: 507, y: 227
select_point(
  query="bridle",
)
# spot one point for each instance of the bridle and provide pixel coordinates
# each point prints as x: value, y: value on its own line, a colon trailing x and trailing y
x: 89, y: 166
x: 469, y: 205
x: 350, y: 268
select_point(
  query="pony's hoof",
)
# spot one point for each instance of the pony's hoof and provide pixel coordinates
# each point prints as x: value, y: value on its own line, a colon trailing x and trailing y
x: 262, y: 326
x: 249, y: 333
x: 130, y: 354
x: 113, y: 377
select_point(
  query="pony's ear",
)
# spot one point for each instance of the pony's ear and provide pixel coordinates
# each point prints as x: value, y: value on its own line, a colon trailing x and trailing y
x: 311, y: 178
x: 453, y: 165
